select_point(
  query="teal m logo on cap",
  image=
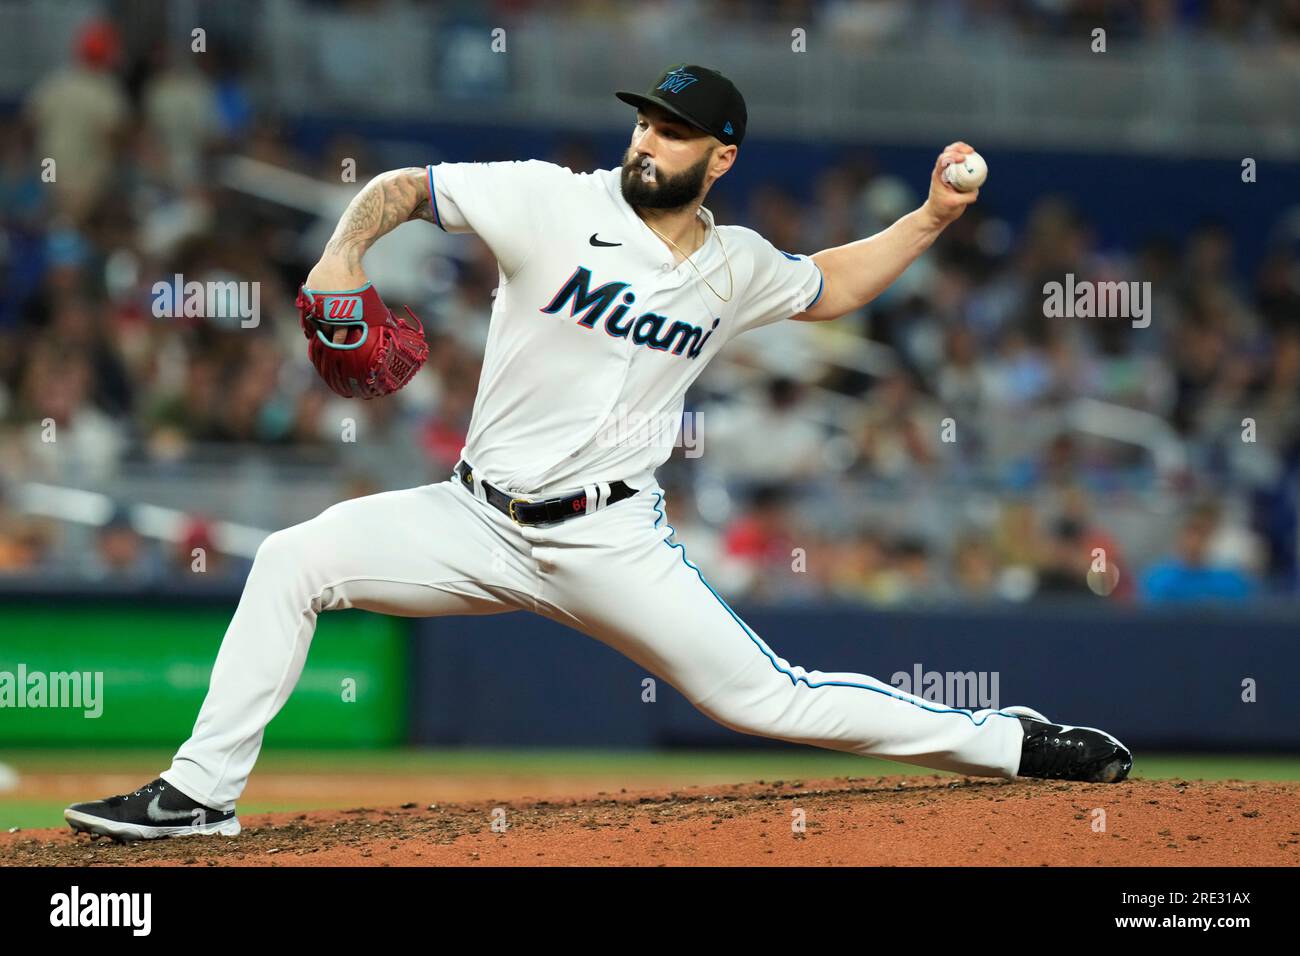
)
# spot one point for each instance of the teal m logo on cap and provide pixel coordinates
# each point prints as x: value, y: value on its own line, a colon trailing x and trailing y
x: 676, y: 80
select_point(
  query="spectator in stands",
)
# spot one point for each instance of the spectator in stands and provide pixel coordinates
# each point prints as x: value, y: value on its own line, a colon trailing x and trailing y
x: 975, y: 569
x: 23, y: 197
x: 1064, y: 563
x: 196, y: 558
x: 775, y: 441
x: 864, y: 573
x: 24, y: 542
x: 188, y: 414
x: 1190, y: 574
x: 64, y: 436
x: 762, y: 539
x: 181, y: 111
x: 918, y: 583
x: 898, y: 435
x: 121, y: 554
x: 445, y: 431
x: 78, y: 113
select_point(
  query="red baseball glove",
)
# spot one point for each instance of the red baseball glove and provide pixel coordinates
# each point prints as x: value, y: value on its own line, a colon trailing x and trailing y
x: 378, y: 352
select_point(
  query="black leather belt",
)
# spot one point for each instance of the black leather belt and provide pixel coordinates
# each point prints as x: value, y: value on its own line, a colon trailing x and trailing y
x: 546, y: 511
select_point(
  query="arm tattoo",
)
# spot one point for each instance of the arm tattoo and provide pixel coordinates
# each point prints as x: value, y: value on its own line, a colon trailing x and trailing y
x: 386, y: 202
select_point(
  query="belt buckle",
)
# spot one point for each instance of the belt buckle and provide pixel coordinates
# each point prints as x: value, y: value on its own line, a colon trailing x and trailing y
x: 511, y: 510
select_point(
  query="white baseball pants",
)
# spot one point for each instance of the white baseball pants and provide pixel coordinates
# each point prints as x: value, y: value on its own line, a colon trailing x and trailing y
x: 614, y: 574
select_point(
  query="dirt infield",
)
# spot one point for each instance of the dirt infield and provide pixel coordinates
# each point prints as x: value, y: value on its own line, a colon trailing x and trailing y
x: 901, y: 821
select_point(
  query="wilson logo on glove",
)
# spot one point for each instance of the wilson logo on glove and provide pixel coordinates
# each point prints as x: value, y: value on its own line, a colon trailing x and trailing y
x: 359, y: 347
x: 342, y: 306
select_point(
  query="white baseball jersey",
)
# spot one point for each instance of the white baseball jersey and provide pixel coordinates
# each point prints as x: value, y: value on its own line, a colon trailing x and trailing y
x: 595, y: 320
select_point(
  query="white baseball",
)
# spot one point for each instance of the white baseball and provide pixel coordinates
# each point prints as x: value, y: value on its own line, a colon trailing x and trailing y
x: 968, y: 175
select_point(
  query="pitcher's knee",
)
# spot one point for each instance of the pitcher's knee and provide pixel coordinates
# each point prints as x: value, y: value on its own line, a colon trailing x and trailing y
x: 291, y: 552
x: 276, y: 548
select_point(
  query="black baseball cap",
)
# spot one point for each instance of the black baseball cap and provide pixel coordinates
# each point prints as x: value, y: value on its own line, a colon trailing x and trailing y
x: 699, y: 96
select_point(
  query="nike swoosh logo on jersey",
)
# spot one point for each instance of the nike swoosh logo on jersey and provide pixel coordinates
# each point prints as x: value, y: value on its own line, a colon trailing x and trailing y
x: 600, y: 242
x: 157, y: 814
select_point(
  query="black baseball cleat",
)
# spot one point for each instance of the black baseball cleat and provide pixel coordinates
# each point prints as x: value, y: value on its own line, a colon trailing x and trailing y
x: 152, y: 812
x: 1058, y: 752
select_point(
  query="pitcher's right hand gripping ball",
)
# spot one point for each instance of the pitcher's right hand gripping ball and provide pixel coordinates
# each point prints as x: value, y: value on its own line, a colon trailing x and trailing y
x: 359, y: 347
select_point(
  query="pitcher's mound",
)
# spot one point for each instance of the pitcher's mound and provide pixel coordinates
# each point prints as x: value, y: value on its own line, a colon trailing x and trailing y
x: 891, y: 821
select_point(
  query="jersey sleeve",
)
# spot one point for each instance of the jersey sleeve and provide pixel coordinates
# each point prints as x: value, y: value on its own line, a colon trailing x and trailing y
x: 781, y: 285
x: 499, y: 202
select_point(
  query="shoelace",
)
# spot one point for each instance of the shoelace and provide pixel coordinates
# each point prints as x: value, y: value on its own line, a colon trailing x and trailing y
x: 1058, y: 753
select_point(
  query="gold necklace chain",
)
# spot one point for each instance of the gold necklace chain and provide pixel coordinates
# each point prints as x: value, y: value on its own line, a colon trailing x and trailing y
x: 731, y: 281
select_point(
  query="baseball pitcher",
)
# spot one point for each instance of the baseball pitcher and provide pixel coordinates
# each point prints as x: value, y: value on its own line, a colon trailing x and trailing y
x: 616, y: 289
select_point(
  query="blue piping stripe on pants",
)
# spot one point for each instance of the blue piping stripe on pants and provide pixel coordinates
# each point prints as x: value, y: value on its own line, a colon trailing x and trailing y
x: 768, y: 653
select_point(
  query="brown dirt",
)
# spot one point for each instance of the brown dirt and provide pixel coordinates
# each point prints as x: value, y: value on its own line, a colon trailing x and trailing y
x: 900, y: 821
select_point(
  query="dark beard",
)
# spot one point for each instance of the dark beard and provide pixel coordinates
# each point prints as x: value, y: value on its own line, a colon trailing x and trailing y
x: 667, y: 192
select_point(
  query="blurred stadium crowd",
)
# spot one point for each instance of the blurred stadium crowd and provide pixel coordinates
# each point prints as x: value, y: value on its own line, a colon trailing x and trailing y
x: 868, y: 21
x: 830, y: 482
